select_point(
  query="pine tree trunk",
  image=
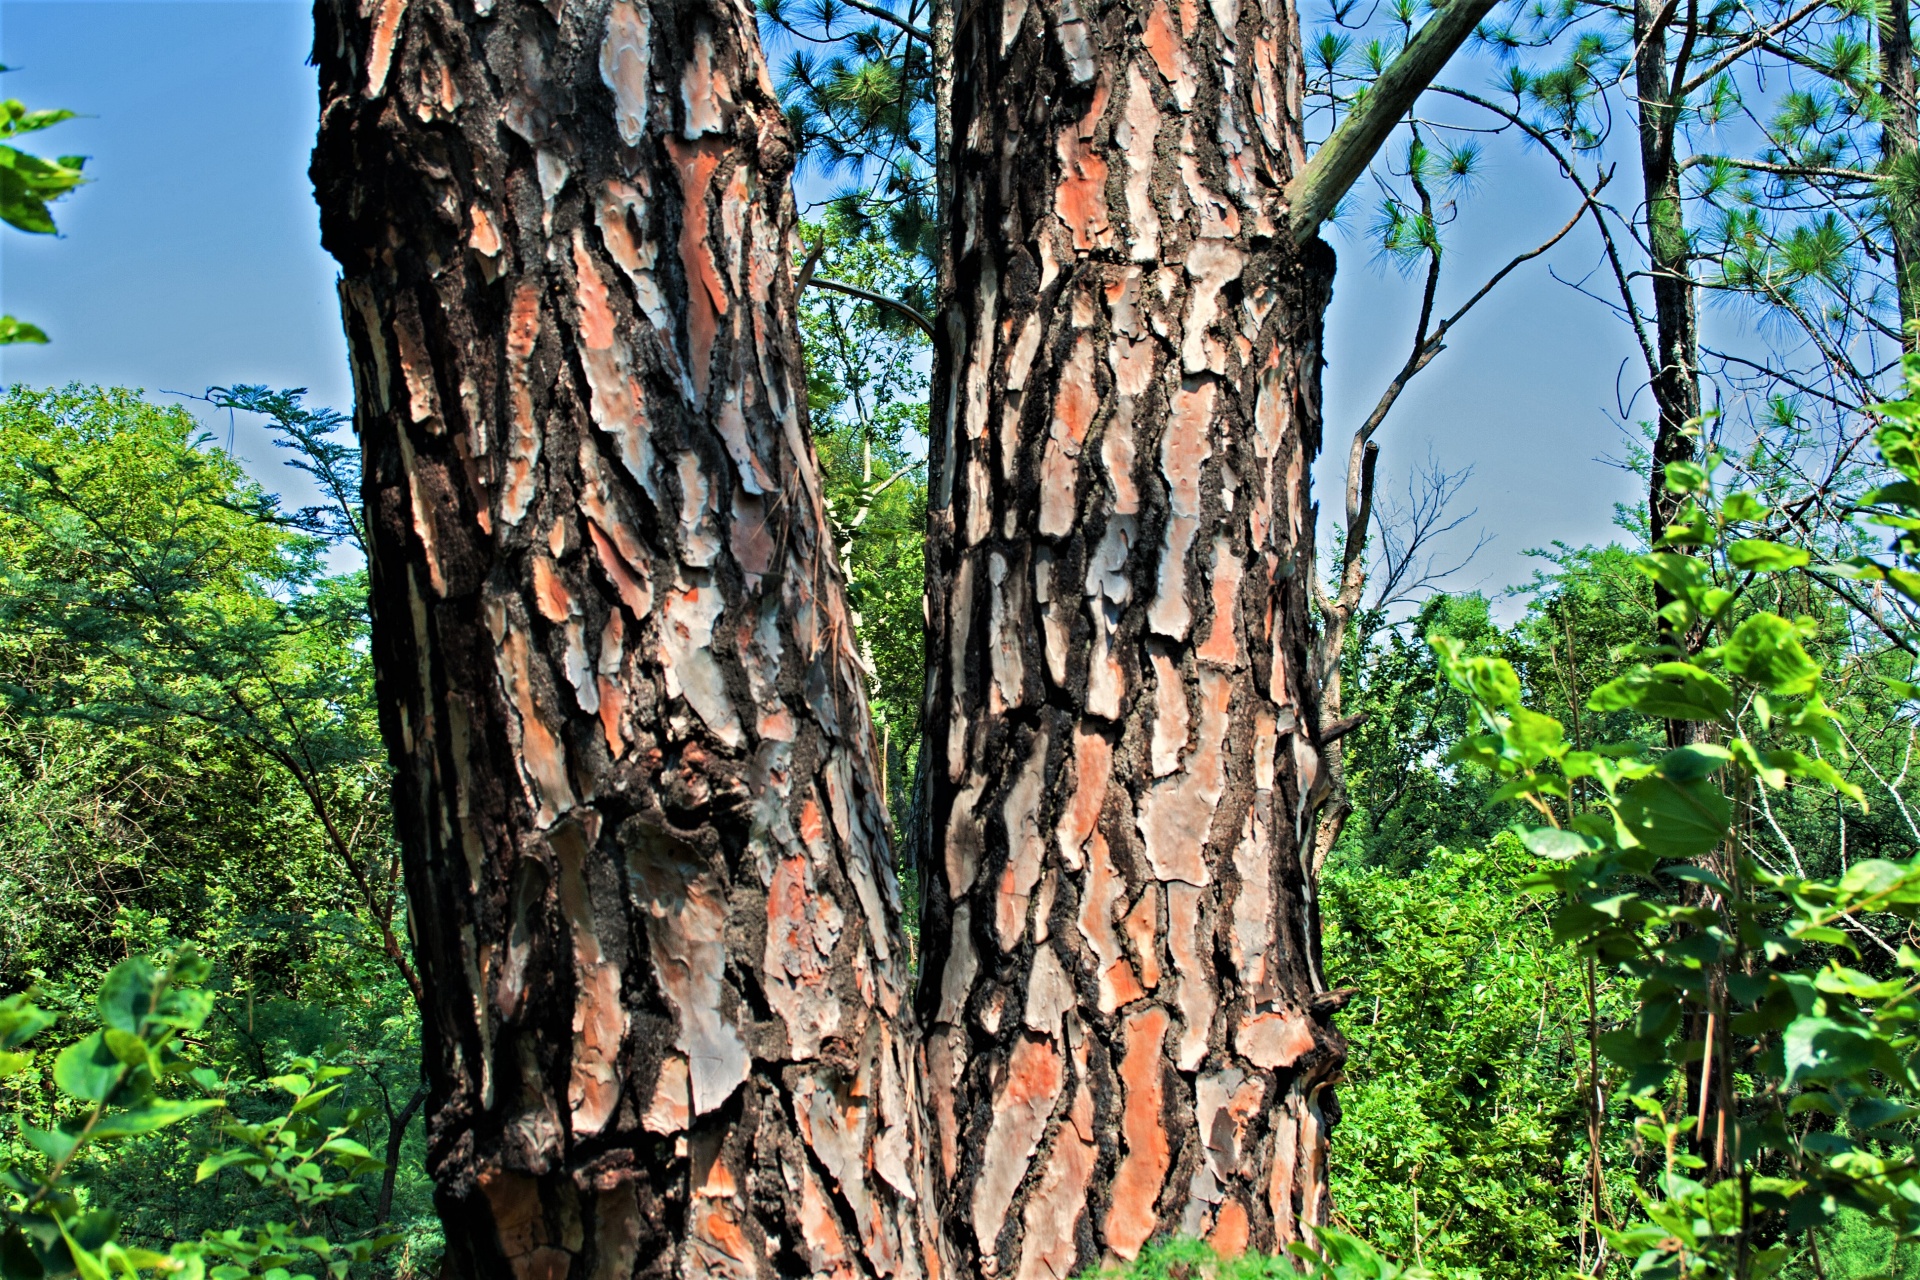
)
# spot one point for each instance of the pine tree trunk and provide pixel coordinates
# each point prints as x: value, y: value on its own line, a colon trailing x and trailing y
x: 1127, y: 1036
x: 668, y: 1025
x: 1676, y: 382
x: 1900, y: 151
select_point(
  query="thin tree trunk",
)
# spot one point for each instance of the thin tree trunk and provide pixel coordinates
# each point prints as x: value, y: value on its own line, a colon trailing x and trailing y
x: 1127, y: 1036
x: 1676, y: 381
x: 1900, y: 150
x: 668, y: 1027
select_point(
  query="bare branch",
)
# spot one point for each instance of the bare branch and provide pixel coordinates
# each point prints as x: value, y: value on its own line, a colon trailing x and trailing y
x: 878, y: 299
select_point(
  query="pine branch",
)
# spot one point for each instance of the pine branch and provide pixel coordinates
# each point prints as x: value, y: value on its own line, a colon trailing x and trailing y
x: 878, y: 299
x: 1318, y: 188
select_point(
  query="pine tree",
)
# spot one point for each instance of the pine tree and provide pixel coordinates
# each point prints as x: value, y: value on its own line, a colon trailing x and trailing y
x: 668, y: 1018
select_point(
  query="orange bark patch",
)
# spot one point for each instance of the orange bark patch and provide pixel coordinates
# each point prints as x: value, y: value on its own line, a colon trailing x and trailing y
x: 1222, y: 645
x: 1052, y: 1216
x: 1177, y: 813
x: 1142, y: 926
x: 523, y: 442
x: 803, y: 927
x: 1073, y: 410
x: 670, y: 1110
x: 1192, y: 965
x: 1092, y: 767
x: 1080, y: 200
x: 1035, y: 1075
x: 813, y: 823
x: 1270, y: 1040
x: 634, y: 590
x: 706, y: 294
x: 542, y: 759
x: 1099, y: 902
x: 1131, y: 1218
x: 599, y: 1021
x: 826, y: 1243
x: 1170, y: 719
x: 550, y: 594
x: 1184, y: 449
x: 718, y: 1246
x: 386, y: 29
x: 1231, y: 1230
x: 1162, y: 42
x: 1025, y: 846
x: 624, y: 58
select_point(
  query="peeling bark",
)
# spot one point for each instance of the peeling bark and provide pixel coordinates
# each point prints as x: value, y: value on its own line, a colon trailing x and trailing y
x: 668, y: 1030
x: 1119, y: 963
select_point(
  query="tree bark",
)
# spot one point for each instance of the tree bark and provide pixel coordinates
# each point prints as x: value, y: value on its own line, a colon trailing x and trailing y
x: 668, y: 1029
x: 1900, y: 153
x: 1127, y: 1033
x: 1676, y: 380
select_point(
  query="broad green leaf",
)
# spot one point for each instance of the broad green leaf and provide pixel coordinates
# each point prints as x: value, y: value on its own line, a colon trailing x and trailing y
x: 1558, y: 844
x: 14, y: 331
x: 21, y: 1020
x: 225, y: 1160
x: 1676, y: 819
x: 1766, y: 650
x: 1684, y: 764
x: 1668, y: 691
x: 155, y: 1113
x: 87, y: 1069
x: 128, y: 995
x: 1819, y: 1048
x: 1766, y: 557
x: 1686, y: 477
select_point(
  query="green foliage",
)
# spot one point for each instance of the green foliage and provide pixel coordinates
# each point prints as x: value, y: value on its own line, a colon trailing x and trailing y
x: 28, y: 184
x: 867, y: 386
x: 1461, y: 1141
x: 188, y: 750
x: 136, y: 1075
x: 1769, y: 1059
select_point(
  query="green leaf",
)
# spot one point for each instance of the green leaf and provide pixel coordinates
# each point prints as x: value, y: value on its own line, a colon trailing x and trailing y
x: 1819, y: 1048
x: 87, y: 1069
x: 1873, y: 877
x: 1676, y: 819
x: 225, y: 1160
x: 13, y: 332
x: 1668, y: 691
x: 54, y: 1144
x: 1684, y: 764
x: 1686, y: 477
x: 21, y: 1020
x: 128, y: 994
x: 1557, y: 844
x: 1763, y: 556
x: 156, y: 1113
x: 1766, y: 650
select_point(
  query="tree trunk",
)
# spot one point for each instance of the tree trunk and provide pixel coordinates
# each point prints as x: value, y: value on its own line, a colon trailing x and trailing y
x: 667, y: 1026
x: 1676, y: 381
x: 1900, y: 152
x: 1127, y: 1035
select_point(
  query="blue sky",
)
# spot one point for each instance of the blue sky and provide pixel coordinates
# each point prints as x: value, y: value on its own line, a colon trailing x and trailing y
x: 193, y: 259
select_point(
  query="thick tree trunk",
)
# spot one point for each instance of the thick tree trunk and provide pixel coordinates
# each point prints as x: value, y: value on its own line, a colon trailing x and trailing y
x: 668, y: 1027
x: 1127, y: 1036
